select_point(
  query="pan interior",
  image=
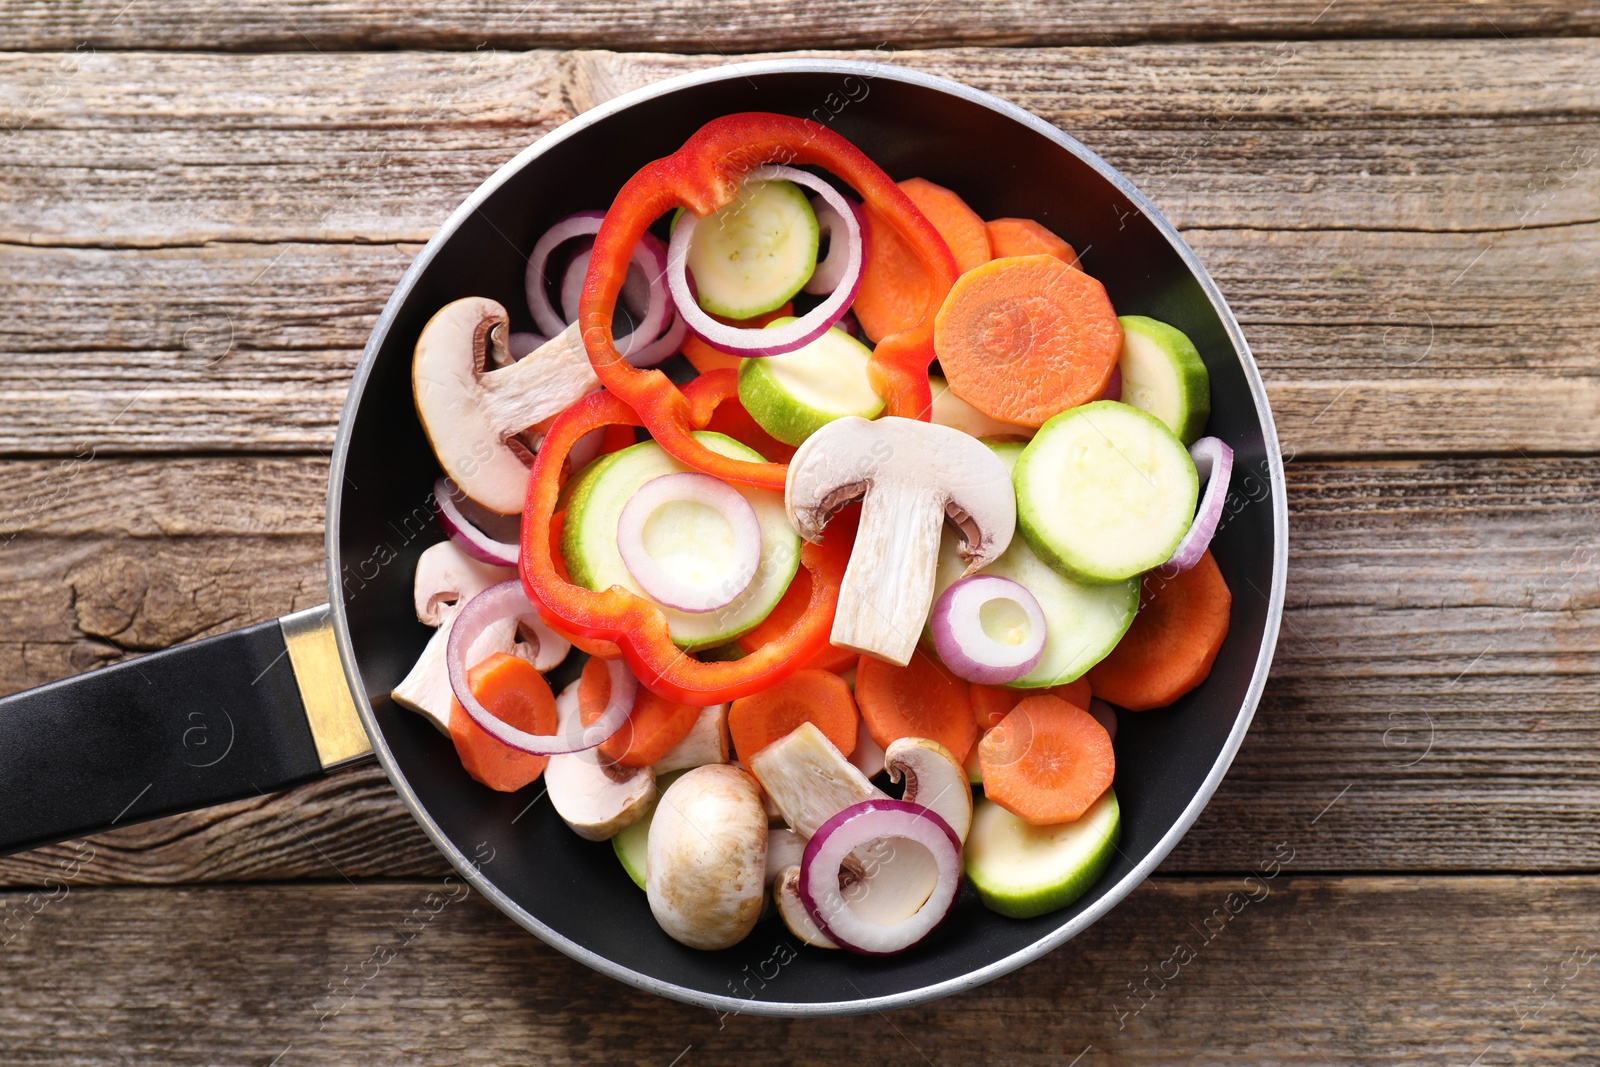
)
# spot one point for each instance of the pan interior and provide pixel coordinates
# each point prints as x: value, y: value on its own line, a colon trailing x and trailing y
x: 573, y: 892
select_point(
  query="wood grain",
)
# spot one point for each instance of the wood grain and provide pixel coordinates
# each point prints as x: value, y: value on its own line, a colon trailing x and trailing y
x: 1433, y: 703
x: 1369, y: 342
x: 1501, y: 969
x: 353, y: 24
x: 142, y: 149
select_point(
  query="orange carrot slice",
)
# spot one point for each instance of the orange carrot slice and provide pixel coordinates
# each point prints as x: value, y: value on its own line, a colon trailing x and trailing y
x: 1047, y: 761
x: 809, y: 695
x: 958, y: 224
x: 1025, y: 237
x: 895, y: 290
x: 705, y: 358
x: 921, y: 699
x: 991, y: 703
x: 1025, y: 337
x: 516, y: 694
x: 652, y: 728
x: 1173, y: 641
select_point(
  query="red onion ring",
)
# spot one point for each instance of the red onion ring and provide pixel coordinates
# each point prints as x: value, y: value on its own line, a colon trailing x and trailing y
x: 649, y: 255
x: 861, y: 824
x: 1213, y: 461
x: 1113, y: 389
x: 660, y: 583
x: 967, y: 648
x: 635, y: 287
x: 756, y: 342
x: 830, y: 272
x: 509, y: 599
x: 471, y: 540
x: 662, y: 347
x: 521, y: 343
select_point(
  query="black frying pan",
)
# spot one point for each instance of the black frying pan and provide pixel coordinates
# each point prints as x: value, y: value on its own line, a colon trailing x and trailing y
x: 259, y: 709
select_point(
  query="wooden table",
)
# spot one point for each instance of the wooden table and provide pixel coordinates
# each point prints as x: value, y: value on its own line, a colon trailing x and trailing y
x: 203, y: 206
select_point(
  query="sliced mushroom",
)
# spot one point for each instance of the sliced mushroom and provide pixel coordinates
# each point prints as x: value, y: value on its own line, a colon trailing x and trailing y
x: 706, y: 742
x: 592, y: 795
x: 933, y: 779
x: 909, y: 476
x: 446, y: 579
x: 472, y: 414
x: 786, y: 891
x: 808, y: 779
x: 705, y: 860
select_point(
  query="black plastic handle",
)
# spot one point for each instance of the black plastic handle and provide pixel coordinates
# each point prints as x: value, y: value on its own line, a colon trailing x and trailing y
x: 200, y: 724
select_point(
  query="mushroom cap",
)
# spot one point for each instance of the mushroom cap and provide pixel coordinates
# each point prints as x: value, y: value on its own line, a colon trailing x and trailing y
x: 851, y: 456
x: 451, y: 356
x: 706, y: 857
x: 447, y: 577
x: 591, y: 794
x: 933, y: 779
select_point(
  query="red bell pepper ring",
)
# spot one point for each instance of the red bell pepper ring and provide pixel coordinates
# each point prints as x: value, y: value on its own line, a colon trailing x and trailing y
x: 636, y: 625
x: 701, y: 177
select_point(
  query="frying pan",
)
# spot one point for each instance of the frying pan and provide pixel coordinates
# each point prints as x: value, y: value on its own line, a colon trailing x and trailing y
x: 262, y: 708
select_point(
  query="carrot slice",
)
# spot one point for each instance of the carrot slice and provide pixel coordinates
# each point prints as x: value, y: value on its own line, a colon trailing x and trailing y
x: 808, y: 695
x: 895, y: 290
x: 1047, y: 761
x: 958, y: 224
x: 991, y: 703
x: 1173, y: 641
x: 921, y: 699
x: 1025, y: 237
x: 652, y: 728
x: 706, y: 359
x: 516, y: 694
x: 1025, y: 337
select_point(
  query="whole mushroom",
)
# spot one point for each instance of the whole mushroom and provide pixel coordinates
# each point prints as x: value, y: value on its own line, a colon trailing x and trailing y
x: 706, y: 857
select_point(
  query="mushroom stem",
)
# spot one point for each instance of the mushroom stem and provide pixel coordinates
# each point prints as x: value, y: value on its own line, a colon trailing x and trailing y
x: 538, y: 386
x: 898, y: 540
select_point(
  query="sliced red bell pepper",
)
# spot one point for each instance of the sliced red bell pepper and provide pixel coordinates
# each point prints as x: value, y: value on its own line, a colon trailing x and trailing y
x: 636, y: 625
x: 701, y: 177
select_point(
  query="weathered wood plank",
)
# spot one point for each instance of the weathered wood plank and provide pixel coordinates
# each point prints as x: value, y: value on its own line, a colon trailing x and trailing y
x: 1496, y: 134
x: 1490, y: 970
x: 353, y: 24
x: 1433, y: 705
x: 1370, y: 342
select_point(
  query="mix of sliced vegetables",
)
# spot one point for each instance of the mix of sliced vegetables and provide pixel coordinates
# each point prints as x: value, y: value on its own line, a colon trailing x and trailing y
x: 925, y: 514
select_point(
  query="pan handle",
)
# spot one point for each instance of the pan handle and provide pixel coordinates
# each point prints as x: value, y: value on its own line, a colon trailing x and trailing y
x: 237, y: 715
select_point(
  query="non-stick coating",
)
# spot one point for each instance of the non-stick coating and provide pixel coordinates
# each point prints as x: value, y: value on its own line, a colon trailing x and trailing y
x: 572, y: 892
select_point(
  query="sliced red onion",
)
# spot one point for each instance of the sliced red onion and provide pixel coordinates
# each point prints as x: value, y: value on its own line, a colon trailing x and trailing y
x: 635, y: 287
x: 521, y: 343
x: 1113, y: 389
x: 662, y: 347
x: 649, y: 255
x: 585, y: 449
x: 754, y: 341
x: 830, y: 272
x: 1105, y: 715
x: 967, y: 648
x: 1213, y: 461
x: 852, y: 326
x: 660, y: 582
x: 471, y: 540
x: 508, y: 599
x: 859, y: 825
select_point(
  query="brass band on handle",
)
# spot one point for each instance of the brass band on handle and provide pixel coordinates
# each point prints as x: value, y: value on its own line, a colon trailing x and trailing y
x: 330, y: 709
